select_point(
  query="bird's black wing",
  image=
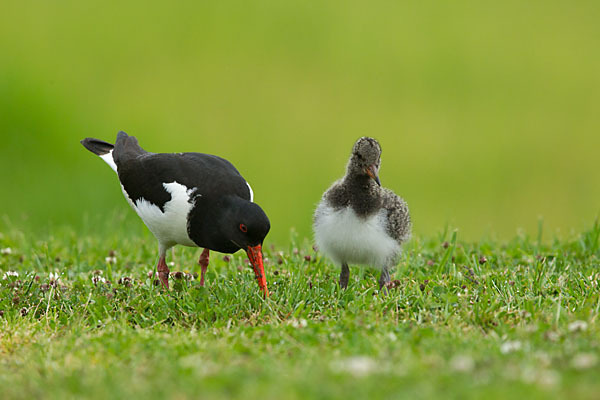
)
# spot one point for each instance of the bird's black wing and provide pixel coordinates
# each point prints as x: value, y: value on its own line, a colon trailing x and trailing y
x: 143, y: 174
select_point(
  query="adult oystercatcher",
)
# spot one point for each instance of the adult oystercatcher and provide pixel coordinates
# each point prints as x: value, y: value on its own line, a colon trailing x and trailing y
x: 192, y: 199
x: 358, y: 221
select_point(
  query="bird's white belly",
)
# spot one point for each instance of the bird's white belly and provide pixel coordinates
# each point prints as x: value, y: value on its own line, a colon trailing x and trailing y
x: 170, y: 226
x: 345, y: 237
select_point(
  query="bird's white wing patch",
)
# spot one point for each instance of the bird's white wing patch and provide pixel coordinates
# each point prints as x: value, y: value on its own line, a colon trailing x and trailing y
x: 108, y: 158
x: 345, y: 237
x: 170, y: 226
x: 251, y: 192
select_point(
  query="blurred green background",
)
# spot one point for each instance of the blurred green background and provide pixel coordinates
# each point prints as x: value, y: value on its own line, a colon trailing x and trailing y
x: 488, y: 112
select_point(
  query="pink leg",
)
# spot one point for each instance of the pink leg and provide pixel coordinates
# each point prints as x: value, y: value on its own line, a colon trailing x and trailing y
x: 163, y: 272
x: 203, y: 261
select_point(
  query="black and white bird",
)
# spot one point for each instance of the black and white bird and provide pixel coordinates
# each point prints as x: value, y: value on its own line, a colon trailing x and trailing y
x: 192, y: 199
x: 358, y: 221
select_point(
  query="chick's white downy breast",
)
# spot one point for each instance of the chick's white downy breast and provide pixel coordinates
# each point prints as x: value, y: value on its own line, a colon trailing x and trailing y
x: 343, y: 236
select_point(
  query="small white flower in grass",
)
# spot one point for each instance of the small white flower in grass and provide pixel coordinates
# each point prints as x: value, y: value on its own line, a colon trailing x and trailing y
x: 111, y: 259
x: 358, y: 366
x: 10, y: 273
x: 98, y: 279
x: 584, y: 361
x: 6, y: 251
x: 391, y: 336
x: 171, y: 264
x: 510, y: 346
x: 298, y: 323
x: 462, y: 363
x: 577, y: 326
x: 189, y: 277
x: 543, y: 377
x: 54, y: 279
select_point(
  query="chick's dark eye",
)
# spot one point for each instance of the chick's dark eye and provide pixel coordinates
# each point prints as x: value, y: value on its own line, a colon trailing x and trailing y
x: 243, y: 228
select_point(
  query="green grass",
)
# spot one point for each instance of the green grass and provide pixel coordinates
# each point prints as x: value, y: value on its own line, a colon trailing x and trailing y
x: 462, y: 320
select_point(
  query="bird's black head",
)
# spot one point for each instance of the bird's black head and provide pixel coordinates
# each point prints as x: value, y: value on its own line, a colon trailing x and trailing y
x: 246, y: 224
x: 228, y: 224
x: 366, y: 158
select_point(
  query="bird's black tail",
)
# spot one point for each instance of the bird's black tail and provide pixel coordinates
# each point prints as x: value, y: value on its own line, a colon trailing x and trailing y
x: 97, y: 146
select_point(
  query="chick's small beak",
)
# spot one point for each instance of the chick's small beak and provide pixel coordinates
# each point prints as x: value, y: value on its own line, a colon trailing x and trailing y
x: 372, y: 171
x: 256, y: 259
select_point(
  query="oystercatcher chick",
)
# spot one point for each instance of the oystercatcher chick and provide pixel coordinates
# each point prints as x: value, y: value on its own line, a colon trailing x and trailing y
x: 358, y: 221
x: 192, y: 199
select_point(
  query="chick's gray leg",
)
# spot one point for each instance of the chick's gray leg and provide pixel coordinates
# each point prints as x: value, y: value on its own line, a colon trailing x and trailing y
x: 344, y: 276
x: 384, y: 279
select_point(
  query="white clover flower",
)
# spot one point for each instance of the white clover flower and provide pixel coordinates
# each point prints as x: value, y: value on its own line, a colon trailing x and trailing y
x: 391, y: 336
x: 577, y: 326
x: 10, y: 273
x: 111, y: 259
x: 510, y: 346
x: 6, y: 251
x: 548, y: 378
x: 298, y: 323
x: 584, y: 361
x: 462, y: 363
x: 98, y: 279
x: 358, y: 366
x: 54, y: 279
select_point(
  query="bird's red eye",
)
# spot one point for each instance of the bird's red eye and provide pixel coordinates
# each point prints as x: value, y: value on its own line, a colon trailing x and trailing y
x: 243, y: 228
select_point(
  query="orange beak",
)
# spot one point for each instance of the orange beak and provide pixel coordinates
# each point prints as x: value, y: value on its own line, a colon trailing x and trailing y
x: 372, y: 171
x: 255, y: 256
